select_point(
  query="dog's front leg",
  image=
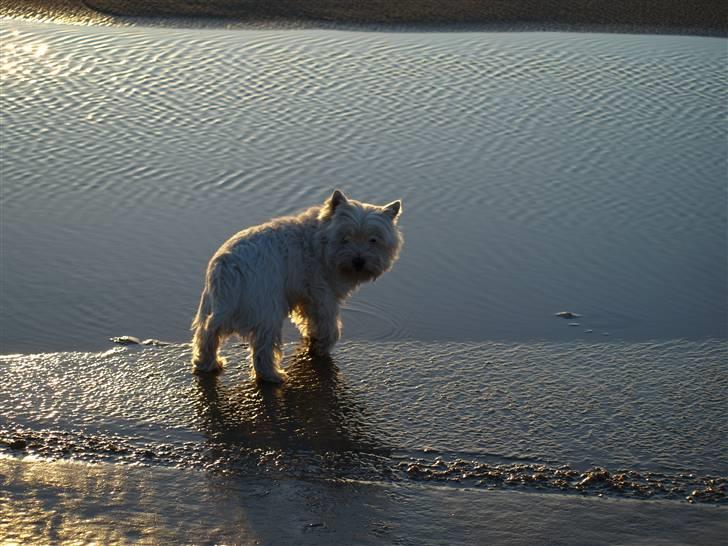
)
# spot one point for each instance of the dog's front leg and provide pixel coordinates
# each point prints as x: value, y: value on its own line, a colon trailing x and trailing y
x: 266, y: 353
x: 319, y: 324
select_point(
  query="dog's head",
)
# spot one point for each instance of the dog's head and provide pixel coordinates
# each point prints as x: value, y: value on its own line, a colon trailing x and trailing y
x: 361, y: 241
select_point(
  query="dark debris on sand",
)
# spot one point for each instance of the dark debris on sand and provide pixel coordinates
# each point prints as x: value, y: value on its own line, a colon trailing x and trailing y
x: 595, y: 481
x: 230, y: 459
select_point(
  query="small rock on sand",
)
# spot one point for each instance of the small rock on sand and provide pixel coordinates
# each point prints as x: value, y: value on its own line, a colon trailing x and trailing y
x: 126, y: 340
x: 131, y: 340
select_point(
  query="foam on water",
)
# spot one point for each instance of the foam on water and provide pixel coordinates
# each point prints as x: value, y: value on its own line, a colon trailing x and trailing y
x: 539, y: 172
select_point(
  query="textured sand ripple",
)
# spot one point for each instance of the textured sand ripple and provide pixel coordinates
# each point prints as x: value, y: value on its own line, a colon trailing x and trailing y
x: 638, y: 420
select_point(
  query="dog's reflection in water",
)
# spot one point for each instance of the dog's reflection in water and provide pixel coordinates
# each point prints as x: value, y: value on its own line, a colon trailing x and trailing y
x: 313, y: 411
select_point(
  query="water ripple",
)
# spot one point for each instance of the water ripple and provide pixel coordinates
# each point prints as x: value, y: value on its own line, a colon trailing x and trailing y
x: 537, y: 170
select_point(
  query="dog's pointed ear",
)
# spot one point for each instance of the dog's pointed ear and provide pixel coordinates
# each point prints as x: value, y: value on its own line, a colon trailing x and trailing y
x: 394, y: 209
x: 331, y: 204
x: 337, y: 198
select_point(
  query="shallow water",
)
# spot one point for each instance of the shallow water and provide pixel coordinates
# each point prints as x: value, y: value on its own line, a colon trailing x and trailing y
x: 539, y: 172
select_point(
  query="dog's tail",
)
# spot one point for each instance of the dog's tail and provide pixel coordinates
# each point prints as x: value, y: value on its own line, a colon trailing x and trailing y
x: 204, y: 310
x: 212, y: 295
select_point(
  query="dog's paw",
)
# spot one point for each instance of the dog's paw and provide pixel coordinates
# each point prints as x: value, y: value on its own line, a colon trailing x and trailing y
x: 207, y: 367
x: 276, y: 376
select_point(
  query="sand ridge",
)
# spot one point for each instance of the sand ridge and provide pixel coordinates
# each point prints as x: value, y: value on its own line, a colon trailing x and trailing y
x: 700, y: 17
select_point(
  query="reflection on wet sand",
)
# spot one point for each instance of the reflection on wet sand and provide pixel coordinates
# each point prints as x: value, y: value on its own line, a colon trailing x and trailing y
x: 73, y: 503
x: 315, y: 412
x: 45, y: 502
x: 76, y: 503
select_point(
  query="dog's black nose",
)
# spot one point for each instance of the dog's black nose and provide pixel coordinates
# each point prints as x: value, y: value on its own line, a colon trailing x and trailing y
x: 358, y: 263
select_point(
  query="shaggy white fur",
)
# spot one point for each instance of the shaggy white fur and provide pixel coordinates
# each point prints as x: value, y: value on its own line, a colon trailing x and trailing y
x: 301, y: 266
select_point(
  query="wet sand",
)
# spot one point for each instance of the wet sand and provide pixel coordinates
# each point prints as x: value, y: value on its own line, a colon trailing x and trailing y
x: 43, y: 502
x: 387, y: 443
x: 701, y: 17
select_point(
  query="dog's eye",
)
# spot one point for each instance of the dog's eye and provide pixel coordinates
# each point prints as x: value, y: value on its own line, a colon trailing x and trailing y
x: 373, y: 240
x: 344, y: 240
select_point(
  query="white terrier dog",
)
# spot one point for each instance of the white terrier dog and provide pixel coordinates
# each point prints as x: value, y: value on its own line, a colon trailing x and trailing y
x: 301, y: 266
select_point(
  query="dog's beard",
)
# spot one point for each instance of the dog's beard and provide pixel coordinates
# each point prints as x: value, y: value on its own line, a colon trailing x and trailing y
x: 348, y: 272
x: 360, y: 244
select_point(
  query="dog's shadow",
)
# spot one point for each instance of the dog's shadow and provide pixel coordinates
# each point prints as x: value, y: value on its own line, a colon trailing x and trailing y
x: 313, y: 411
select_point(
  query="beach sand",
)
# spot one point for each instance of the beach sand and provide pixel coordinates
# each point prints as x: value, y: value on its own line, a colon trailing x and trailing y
x: 701, y: 17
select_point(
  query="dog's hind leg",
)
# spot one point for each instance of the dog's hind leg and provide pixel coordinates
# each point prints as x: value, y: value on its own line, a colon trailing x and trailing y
x: 205, y: 343
x: 266, y: 353
x: 207, y: 336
